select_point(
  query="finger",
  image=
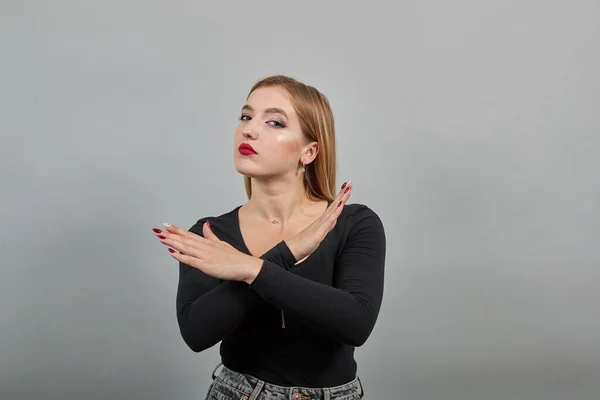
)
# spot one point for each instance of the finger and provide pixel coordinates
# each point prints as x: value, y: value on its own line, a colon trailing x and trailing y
x: 339, y: 207
x: 342, y: 196
x: 336, y: 208
x: 175, y: 230
x: 168, y: 231
x: 192, y: 262
x: 162, y: 234
x: 165, y: 234
x: 208, y: 233
x: 179, y: 231
x: 186, y: 259
x: 184, y: 245
x: 181, y: 238
x: 331, y: 209
x: 333, y: 224
x: 346, y: 190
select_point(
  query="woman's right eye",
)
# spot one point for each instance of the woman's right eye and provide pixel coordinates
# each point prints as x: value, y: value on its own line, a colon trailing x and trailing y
x: 244, y: 118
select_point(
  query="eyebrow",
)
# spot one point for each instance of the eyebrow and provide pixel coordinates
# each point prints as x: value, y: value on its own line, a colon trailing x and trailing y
x: 270, y: 110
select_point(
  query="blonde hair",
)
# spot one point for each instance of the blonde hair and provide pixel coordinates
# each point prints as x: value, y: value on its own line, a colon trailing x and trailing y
x: 317, y: 125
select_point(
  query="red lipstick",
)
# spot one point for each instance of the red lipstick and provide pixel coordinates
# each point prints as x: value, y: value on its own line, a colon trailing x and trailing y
x: 246, y: 149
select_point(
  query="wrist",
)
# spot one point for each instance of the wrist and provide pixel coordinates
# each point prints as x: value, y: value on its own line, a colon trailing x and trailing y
x: 252, y: 270
x: 291, y: 245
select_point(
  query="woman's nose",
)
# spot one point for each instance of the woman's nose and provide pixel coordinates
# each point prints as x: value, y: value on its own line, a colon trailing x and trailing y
x: 248, y: 132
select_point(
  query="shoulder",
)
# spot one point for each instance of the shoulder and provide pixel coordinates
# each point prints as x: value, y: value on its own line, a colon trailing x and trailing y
x: 356, y: 213
x: 226, y: 221
x: 360, y: 219
x: 360, y: 230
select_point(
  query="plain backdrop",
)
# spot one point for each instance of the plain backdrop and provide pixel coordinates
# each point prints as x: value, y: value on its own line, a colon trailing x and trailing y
x: 470, y: 127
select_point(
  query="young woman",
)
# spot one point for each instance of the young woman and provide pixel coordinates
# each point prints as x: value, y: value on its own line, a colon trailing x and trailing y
x: 291, y: 281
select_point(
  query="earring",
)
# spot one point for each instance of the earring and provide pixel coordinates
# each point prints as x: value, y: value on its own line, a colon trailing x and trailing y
x: 303, y: 168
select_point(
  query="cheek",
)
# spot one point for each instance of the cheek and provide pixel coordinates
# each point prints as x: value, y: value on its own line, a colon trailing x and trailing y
x: 288, y: 143
x: 237, y: 135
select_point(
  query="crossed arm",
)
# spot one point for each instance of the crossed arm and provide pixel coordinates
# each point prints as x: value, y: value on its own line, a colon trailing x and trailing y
x: 208, y: 309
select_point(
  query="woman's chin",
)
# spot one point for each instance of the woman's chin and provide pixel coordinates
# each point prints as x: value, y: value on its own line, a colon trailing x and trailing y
x: 247, y: 171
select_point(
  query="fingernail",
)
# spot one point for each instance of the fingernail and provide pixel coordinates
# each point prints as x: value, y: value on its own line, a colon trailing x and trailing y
x: 162, y: 237
x: 171, y: 250
x: 166, y: 224
x: 156, y: 230
x: 344, y: 185
x: 208, y: 223
x: 349, y: 181
x: 339, y: 203
x: 346, y: 191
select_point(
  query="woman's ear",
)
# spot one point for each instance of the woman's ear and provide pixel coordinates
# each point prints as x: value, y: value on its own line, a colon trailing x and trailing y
x: 310, y: 153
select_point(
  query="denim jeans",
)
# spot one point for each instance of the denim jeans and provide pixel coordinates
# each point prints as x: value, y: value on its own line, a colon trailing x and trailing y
x: 231, y: 385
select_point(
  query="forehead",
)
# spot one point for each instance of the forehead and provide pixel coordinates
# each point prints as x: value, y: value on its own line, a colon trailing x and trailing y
x: 270, y: 97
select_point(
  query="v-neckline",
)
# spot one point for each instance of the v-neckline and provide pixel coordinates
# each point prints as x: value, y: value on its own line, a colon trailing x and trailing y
x: 236, y: 213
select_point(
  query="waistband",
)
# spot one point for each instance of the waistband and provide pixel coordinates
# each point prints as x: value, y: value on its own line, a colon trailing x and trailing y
x: 253, y: 386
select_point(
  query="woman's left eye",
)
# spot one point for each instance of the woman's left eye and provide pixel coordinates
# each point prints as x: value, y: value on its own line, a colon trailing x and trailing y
x: 276, y: 124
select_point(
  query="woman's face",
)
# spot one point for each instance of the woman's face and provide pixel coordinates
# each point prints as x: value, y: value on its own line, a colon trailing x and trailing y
x: 269, y: 124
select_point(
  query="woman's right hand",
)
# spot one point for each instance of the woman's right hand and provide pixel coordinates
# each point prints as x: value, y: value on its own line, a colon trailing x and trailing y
x: 305, y: 242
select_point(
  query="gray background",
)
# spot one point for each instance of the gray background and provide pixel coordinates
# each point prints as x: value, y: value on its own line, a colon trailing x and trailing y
x: 470, y: 127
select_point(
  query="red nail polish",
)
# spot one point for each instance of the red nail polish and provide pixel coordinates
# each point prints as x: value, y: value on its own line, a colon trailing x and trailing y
x: 340, y: 203
x: 156, y: 230
x: 171, y: 250
x: 208, y: 223
x: 346, y: 191
x: 344, y: 185
x: 162, y: 237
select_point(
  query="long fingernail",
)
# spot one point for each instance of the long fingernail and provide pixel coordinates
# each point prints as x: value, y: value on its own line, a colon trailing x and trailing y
x: 156, y: 230
x: 166, y: 224
x: 340, y: 203
x: 162, y: 237
x: 346, y: 191
x: 171, y: 250
x: 344, y: 185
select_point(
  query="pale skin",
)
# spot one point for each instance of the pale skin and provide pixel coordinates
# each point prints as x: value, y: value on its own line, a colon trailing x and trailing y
x: 220, y: 260
x: 270, y: 125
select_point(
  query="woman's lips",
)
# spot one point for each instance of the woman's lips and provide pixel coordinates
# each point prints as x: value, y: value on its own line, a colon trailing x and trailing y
x: 246, y: 149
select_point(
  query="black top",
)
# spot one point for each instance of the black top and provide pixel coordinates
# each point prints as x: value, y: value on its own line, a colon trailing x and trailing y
x: 329, y: 303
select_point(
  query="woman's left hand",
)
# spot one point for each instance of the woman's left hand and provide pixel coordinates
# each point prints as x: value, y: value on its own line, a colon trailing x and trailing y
x: 209, y: 254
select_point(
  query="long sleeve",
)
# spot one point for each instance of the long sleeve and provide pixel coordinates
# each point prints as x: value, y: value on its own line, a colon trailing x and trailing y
x: 348, y: 310
x: 208, y: 309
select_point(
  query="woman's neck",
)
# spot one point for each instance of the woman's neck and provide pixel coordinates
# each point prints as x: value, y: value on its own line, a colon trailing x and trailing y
x: 277, y: 202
